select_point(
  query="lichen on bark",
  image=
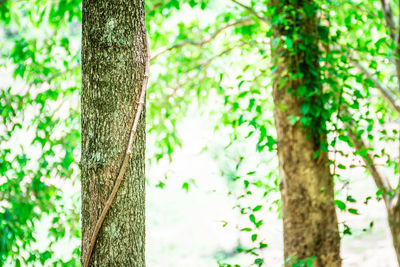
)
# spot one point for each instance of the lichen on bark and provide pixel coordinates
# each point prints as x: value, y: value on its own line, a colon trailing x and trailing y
x: 113, y: 65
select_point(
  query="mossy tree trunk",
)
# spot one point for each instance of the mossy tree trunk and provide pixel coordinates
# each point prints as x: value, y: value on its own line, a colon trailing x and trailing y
x: 113, y: 66
x: 309, y: 218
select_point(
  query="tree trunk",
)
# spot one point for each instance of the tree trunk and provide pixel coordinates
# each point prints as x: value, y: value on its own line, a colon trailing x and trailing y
x: 309, y: 218
x: 394, y: 225
x: 114, y: 54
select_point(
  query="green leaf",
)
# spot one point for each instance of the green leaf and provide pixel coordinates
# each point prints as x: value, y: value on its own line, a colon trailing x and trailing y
x: 243, y: 93
x: 257, y: 208
x: 310, y: 261
x: 253, y: 237
x: 45, y: 256
x: 353, y: 211
x: 306, y: 121
x: 289, y: 43
x: 293, y: 119
x: 263, y: 245
x: 324, y: 147
x: 379, y: 42
x: 252, y: 218
x: 259, y: 261
x: 347, y: 230
x: 305, y: 108
x: 323, y: 32
x: 185, y: 186
x: 160, y: 184
x: 340, y: 204
x: 350, y: 199
x: 340, y: 166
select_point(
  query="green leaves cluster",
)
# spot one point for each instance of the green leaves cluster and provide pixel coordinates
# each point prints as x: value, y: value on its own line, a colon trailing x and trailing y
x: 218, y: 58
x: 39, y: 144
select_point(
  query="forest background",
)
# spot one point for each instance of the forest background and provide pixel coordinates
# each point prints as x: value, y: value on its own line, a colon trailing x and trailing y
x: 211, y: 149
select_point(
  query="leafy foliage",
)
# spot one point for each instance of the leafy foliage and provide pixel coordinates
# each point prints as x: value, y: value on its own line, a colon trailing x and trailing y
x: 39, y: 114
x: 217, y: 58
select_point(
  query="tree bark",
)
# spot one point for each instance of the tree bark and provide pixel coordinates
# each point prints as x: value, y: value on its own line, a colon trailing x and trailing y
x: 114, y: 54
x: 310, y: 223
x: 394, y: 225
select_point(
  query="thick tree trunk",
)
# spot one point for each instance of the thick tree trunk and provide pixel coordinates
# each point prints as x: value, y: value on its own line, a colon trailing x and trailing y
x: 113, y: 66
x: 307, y: 191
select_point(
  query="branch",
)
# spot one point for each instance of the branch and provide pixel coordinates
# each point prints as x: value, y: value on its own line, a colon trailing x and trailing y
x: 205, y: 65
x: 208, y: 62
x: 202, y: 68
x: 390, y: 23
x: 385, y: 92
x: 124, y: 165
x: 389, y: 18
x: 55, y: 75
x: 381, y: 181
x: 252, y: 11
x: 162, y: 50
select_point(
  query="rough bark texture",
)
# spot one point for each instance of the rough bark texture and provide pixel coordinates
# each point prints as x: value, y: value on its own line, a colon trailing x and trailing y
x: 307, y: 190
x: 113, y: 65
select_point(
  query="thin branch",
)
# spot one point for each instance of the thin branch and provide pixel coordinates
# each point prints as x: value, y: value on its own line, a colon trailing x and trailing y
x: 385, y: 92
x: 205, y: 65
x: 381, y: 181
x: 336, y: 128
x: 252, y: 11
x: 202, y: 68
x: 124, y: 165
x: 55, y: 75
x: 390, y: 23
x: 163, y: 50
x: 389, y: 18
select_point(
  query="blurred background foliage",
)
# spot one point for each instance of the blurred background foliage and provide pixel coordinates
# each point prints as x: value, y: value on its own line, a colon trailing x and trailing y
x: 213, y: 56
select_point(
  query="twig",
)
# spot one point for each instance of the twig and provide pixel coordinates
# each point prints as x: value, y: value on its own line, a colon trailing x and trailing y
x: 381, y: 181
x: 390, y: 23
x: 124, y: 163
x: 202, y: 67
x: 162, y: 50
x: 55, y: 75
x: 251, y: 11
x: 385, y: 92
x: 336, y: 129
x: 388, y: 15
x: 205, y: 64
